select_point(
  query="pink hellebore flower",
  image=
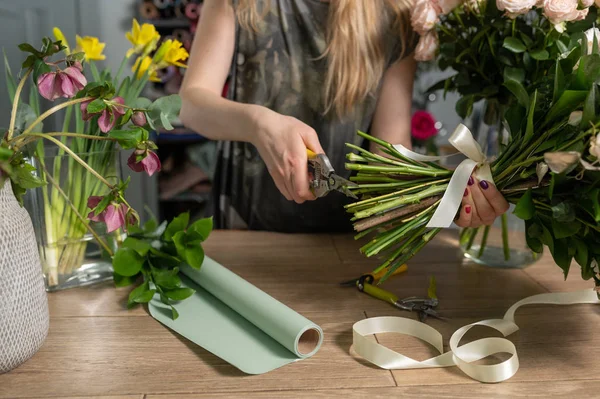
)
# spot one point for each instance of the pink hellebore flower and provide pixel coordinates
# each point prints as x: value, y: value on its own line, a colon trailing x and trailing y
x: 150, y: 163
x: 108, y: 117
x: 65, y: 83
x: 113, y: 216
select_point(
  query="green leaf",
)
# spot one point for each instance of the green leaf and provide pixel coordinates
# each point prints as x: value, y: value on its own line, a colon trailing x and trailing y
x: 96, y: 106
x: 563, y: 212
x: 581, y: 251
x: 179, y: 294
x: 141, y: 294
x: 591, y: 203
x: 589, y: 109
x: 140, y: 246
x: 39, y: 68
x: 23, y: 175
x: 525, y: 209
x: 178, y: 224
x: 166, y: 278
x: 150, y: 225
x: 565, y: 229
x: 5, y: 153
x: 515, y: 116
x: 519, y: 92
x: 129, y: 139
x: 591, y: 68
x: 568, y: 101
x: 534, y: 232
x: 514, y: 44
x: 560, y: 253
x: 163, y: 259
x: 464, y: 106
x: 142, y: 103
x: 28, y: 48
x: 194, y: 256
x: 529, y: 128
x: 102, y: 205
x: 123, y: 281
x: 539, y: 55
x: 174, y: 312
x: 127, y: 262
x: 517, y: 74
x: 164, y: 111
x: 11, y: 85
x: 559, y: 82
x: 203, y: 227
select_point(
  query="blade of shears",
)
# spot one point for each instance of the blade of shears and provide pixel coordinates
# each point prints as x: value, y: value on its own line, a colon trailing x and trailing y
x: 334, y: 181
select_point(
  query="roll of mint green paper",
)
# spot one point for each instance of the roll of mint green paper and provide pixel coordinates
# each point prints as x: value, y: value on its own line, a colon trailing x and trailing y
x: 238, y: 322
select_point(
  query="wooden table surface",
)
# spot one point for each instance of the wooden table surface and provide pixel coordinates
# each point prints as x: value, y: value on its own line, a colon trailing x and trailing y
x: 98, y: 348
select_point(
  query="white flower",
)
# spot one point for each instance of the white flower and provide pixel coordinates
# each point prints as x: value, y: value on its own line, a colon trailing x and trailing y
x: 595, y: 147
x: 589, y: 34
x: 424, y: 16
x: 586, y: 3
x: 514, y: 8
x: 427, y: 47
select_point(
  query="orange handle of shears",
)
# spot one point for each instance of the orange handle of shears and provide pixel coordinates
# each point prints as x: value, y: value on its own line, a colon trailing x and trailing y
x: 311, y: 155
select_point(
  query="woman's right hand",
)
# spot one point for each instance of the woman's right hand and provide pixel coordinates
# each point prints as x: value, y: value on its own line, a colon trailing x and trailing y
x: 282, y: 142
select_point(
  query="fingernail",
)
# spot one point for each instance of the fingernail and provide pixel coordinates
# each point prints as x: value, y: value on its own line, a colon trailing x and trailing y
x: 468, y: 209
x: 484, y: 184
x: 466, y: 192
x: 471, y: 181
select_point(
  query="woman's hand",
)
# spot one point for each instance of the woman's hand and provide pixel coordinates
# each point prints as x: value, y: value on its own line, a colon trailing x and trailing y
x: 282, y: 142
x: 482, y: 203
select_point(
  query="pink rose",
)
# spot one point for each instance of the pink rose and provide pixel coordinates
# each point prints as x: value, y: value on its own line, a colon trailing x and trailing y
x: 144, y: 161
x: 427, y: 47
x: 447, y: 5
x: 424, y: 16
x: 422, y: 125
x: 558, y: 11
x: 515, y: 8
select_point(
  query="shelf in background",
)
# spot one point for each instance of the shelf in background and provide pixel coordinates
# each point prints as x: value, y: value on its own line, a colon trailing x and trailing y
x: 168, y: 23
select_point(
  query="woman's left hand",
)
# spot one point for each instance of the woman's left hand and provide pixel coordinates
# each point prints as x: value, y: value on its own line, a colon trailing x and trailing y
x: 482, y: 203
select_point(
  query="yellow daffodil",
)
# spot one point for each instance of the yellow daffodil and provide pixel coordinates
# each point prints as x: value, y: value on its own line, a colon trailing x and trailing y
x: 143, y: 38
x: 58, y: 35
x: 170, y: 52
x: 91, y: 46
x: 146, y: 66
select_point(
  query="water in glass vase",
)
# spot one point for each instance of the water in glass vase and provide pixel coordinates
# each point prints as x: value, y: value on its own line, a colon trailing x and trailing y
x: 501, y: 245
x: 71, y: 254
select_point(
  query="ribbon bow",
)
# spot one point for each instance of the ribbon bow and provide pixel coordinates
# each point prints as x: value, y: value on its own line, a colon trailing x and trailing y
x: 463, y: 141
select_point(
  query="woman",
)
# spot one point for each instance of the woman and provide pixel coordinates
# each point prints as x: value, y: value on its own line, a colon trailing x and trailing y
x: 306, y: 74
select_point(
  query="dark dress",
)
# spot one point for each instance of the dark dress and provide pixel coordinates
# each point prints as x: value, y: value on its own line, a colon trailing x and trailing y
x: 280, y: 68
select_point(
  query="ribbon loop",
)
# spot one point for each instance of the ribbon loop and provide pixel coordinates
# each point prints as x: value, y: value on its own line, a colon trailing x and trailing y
x: 461, y: 356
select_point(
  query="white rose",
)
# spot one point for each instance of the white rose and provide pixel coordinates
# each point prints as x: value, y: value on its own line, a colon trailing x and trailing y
x: 427, y: 47
x: 558, y: 11
x: 514, y: 8
x: 448, y: 5
x: 589, y: 34
x: 424, y: 16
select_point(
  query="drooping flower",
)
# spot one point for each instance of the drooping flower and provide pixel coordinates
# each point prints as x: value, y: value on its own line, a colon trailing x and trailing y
x: 139, y: 118
x: 113, y: 216
x: 423, y: 125
x: 65, y: 83
x: 58, y: 35
x: 108, y: 116
x: 170, y: 52
x: 144, y: 161
x: 558, y: 11
x: 589, y: 34
x: 143, y: 38
x: 515, y: 8
x: 92, y: 47
x: 427, y: 46
x: 424, y: 16
x: 146, y: 66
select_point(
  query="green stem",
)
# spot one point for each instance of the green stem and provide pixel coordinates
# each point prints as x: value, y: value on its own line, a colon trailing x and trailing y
x: 505, y: 244
x: 120, y: 71
x: 406, y: 170
x: 403, y: 200
x: 53, y: 110
x: 13, y: 114
x: 95, y: 73
x: 483, y: 244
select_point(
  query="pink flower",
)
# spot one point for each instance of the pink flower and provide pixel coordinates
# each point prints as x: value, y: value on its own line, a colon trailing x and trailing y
x: 139, y: 118
x: 144, y: 161
x: 65, y: 83
x: 586, y: 3
x: 514, y: 8
x: 108, y: 116
x: 113, y: 216
x: 558, y: 11
x: 447, y: 5
x: 424, y: 16
x: 423, y: 125
x: 427, y: 47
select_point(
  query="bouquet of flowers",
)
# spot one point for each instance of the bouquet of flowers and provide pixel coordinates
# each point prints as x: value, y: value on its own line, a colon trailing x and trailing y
x: 102, y: 114
x: 536, y: 65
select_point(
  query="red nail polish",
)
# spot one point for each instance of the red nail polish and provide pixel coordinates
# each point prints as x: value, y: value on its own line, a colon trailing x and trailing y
x: 467, y: 209
x: 466, y: 192
x: 471, y: 181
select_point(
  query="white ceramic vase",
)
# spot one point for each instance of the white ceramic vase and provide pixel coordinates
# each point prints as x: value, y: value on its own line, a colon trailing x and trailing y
x: 24, y: 318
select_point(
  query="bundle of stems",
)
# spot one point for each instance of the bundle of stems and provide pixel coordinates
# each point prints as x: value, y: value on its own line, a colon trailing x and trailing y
x: 399, y: 195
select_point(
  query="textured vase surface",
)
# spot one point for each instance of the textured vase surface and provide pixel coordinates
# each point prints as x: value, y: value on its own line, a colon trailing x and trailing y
x: 24, y: 318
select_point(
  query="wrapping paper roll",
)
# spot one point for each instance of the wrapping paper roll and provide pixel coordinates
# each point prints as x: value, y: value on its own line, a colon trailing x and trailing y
x: 149, y: 11
x: 184, y: 37
x: 162, y: 4
x: 238, y: 322
x: 192, y: 11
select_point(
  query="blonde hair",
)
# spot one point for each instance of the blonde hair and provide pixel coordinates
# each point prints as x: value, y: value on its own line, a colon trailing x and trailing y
x: 356, y: 32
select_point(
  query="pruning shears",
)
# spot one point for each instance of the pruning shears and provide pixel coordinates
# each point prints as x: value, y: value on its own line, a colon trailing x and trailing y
x: 324, y: 178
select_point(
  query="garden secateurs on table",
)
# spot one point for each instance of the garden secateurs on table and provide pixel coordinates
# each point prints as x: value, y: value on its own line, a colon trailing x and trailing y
x: 324, y: 178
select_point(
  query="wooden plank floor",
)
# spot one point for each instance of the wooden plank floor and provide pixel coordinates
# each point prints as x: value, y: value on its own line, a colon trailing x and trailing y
x: 98, y: 348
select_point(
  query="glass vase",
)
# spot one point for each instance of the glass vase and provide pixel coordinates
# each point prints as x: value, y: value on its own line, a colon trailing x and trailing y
x: 501, y: 245
x: 71, y: 255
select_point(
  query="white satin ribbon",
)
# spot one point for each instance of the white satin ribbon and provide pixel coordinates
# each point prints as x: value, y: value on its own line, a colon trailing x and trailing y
x: 463, y: 141
x: 460, y: 356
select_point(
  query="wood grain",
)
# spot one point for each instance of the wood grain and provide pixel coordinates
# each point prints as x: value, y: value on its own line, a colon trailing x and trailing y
x: 98, y: 348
